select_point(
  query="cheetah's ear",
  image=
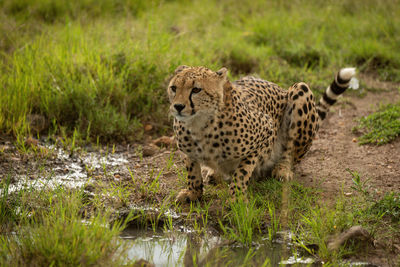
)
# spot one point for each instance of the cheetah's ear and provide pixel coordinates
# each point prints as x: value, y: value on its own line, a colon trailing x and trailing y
x: 222, y: 73
x: 180, y: 68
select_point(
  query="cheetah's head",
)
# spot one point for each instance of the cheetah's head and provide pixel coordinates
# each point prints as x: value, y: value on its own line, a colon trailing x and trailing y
x: 196, y: 91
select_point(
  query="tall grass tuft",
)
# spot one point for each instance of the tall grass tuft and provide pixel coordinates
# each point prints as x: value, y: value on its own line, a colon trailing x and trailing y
x: 57, y: 235
x: 244, y: 221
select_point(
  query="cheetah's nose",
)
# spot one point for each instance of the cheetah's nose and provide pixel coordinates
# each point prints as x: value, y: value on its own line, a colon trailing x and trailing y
x: 179, y: 107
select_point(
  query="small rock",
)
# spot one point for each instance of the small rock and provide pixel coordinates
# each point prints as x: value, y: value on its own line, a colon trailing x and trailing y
x: 148, y: 127
x: 355, y: 232
x: 89, y: 188
x: 37, y: 123
x: 31, y: 142
x: 143, y: 263
x: 149, y: 151
x: 165, y: 141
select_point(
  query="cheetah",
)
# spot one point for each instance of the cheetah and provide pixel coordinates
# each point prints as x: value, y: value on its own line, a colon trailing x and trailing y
x: 244, y: 129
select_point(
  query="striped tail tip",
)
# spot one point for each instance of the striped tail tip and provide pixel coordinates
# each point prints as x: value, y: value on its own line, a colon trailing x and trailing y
x: 344, y: 76
x: 337, y: 87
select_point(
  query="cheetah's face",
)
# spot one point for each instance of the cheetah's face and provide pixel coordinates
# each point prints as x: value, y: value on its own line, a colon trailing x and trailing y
x: 196, y: 91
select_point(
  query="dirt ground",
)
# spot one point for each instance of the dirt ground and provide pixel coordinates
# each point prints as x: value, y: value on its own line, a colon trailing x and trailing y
x: 336, y: 148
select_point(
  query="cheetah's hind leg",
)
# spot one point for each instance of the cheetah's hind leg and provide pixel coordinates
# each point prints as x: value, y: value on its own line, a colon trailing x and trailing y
x: 298, y: 128
x: 283, y: 171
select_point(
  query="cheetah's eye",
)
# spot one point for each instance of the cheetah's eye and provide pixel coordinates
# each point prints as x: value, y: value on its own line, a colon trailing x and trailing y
x: 196, y: 90
x: 173, y: 88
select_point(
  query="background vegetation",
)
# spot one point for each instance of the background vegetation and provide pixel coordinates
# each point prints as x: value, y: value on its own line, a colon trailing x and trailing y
x: 101, y: 67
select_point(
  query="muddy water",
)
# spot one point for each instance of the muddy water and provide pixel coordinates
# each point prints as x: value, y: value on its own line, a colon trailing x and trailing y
x: 190, y: 249
x: 71, y: 172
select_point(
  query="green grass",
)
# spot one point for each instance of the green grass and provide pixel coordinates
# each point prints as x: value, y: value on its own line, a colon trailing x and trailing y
x: 50, y: 230
x: 380, y: 127
x: 379, y: 215
x: 243, y: 221
x: 101, y: 67
x: 388, y: 206
x: 79, y: 222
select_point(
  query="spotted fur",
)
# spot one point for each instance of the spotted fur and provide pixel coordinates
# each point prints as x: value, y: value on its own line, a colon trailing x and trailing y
x: 248, y: 128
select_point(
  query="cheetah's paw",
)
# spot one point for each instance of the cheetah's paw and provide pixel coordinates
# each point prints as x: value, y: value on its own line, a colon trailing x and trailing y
x: 187, y: 196
x: 214, y: 178
x: 283, y: 173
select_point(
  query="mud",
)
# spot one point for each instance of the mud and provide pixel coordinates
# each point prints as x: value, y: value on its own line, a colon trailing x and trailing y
x: 54, y: 168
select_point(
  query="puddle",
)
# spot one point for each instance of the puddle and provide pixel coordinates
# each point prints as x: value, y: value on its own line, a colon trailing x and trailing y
x: 71, y: 172
x: 189, y: 249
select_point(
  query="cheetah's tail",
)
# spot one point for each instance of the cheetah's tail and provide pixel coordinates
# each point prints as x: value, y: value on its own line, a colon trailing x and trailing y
x: 337, y: 87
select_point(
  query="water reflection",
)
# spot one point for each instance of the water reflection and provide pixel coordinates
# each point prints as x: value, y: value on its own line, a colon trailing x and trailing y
x: 71, y: 172
x: 190, y: 249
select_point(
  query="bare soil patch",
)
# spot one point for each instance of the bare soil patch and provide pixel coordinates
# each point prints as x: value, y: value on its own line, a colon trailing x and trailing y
x: 336, y: 150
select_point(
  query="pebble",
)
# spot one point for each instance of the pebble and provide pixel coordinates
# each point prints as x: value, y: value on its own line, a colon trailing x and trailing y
x: 149, y: 151
x: 30, y: 141
x: 148, y: 127
x: 165, y: 141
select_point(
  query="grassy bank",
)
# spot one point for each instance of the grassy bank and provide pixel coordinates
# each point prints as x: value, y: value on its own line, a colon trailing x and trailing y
x: 380, y: 127
x: 54, y: 228
x: 68, y: 228
x: 101, y: 67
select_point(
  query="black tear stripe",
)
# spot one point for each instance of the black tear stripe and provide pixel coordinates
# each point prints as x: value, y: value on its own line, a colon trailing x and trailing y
x: 191, y: 102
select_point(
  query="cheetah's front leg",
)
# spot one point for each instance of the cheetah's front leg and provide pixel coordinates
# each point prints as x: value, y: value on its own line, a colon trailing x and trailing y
x: 195, y: 183
x: 242, y: 175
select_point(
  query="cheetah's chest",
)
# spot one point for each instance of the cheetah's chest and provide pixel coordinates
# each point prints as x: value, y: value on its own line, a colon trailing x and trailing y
x: 224, y: 142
